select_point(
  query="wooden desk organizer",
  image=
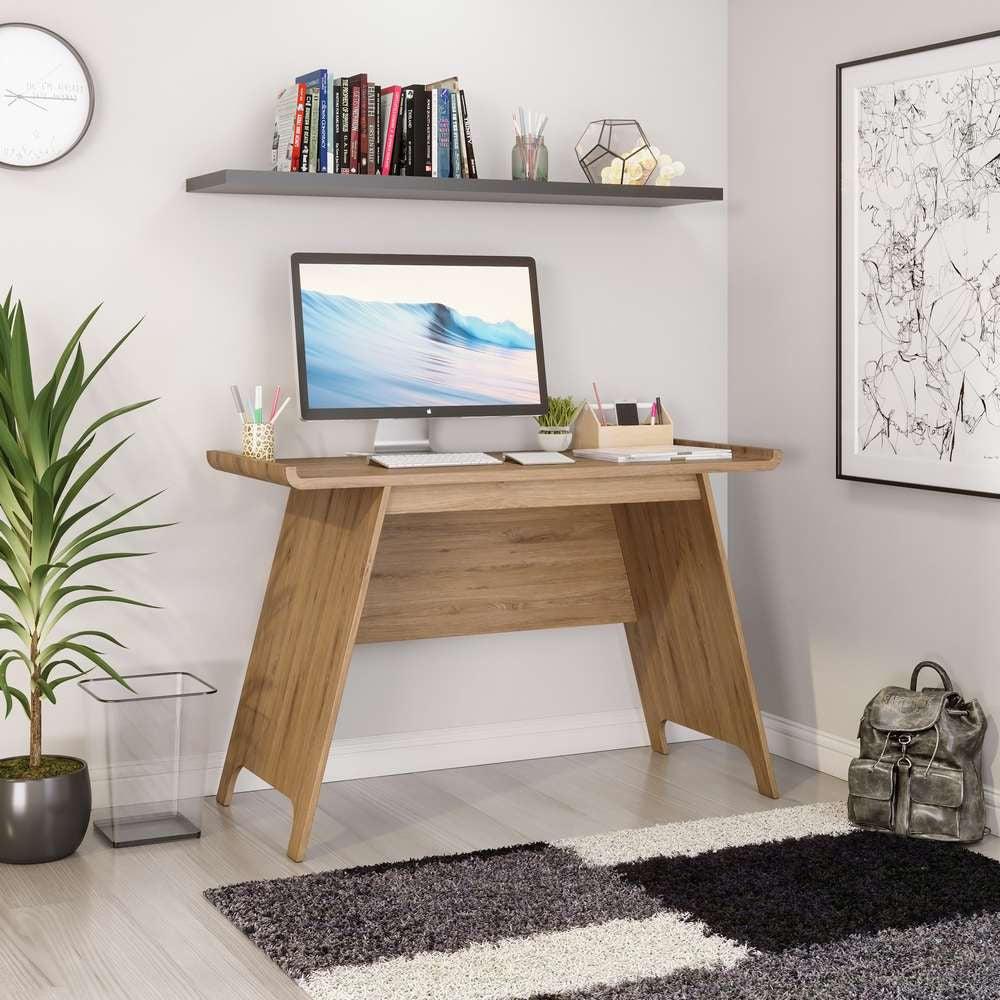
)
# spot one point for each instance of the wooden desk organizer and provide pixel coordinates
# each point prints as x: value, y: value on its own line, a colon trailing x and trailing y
x: 588, y: 432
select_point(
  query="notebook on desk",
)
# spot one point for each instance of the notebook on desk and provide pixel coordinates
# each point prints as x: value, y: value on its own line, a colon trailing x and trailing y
x: 688, y: 454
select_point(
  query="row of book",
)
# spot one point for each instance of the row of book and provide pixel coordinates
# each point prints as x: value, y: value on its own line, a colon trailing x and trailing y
x: 346, y: 125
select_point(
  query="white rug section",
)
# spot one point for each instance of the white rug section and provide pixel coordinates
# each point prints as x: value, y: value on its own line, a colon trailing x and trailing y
x: 614, y: 952
x: 702, y: 835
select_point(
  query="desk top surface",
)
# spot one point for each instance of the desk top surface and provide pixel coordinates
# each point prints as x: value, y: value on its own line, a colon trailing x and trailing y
x: 355, y: 473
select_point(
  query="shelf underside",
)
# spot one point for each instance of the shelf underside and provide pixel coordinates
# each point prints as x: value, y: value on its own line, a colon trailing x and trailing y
x: 446, y: 189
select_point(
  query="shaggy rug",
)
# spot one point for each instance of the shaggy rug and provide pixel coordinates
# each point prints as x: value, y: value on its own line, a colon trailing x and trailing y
x: 787, y: 903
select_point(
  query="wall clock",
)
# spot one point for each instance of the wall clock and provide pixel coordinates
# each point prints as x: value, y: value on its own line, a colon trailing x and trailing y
x: 46, y: 96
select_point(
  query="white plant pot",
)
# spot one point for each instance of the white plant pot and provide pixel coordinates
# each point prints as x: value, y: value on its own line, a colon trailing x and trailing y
x: 555, y: 439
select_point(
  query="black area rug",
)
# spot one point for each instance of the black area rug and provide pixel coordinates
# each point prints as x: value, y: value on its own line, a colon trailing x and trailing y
x: 782, y: 904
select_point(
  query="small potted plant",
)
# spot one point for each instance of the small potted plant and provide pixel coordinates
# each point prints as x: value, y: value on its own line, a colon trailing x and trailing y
x: 48, y: 538
x: 555, y: 425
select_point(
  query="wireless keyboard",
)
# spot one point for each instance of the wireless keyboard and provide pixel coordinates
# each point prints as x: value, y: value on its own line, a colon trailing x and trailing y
x: 429, y: 460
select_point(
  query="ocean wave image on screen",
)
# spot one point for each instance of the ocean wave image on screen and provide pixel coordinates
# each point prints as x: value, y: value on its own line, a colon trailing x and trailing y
x: 378, y: 354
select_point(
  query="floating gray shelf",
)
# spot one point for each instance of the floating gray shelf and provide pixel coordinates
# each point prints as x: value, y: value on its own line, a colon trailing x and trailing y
x: 446, y: 189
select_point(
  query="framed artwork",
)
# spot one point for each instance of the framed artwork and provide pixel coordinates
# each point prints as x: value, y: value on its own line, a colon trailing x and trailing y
x: 918, y: 267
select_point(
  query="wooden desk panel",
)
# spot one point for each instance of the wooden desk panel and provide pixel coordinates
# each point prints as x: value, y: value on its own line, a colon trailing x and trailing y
x: 463, y: 574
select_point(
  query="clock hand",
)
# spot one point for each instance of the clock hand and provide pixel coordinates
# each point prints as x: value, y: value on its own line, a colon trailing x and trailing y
x: 21, y: 97
x: 41, y: 97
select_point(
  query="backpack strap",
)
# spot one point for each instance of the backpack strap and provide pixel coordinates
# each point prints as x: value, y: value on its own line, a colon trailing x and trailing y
x: 941, y: 672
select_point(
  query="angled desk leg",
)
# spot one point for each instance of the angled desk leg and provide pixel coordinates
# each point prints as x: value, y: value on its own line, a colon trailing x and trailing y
x: 687, y: 643
x: 302, y: 649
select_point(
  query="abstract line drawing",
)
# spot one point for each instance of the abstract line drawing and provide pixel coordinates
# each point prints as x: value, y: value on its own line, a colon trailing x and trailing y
x: 920, y: 289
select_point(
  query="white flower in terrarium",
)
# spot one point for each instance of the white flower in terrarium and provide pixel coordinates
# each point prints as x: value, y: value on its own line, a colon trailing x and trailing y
x: 669, y: 169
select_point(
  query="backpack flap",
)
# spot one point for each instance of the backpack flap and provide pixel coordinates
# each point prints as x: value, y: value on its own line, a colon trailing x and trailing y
x: 900, y: 710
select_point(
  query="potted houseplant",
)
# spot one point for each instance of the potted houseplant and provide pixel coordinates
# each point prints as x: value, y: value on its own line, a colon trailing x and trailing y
x: 555, y: 425
x: 48, y: 538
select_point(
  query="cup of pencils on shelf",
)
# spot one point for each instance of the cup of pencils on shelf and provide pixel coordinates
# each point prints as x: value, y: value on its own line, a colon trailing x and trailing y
x: 258, y: 433
x: 529, y: 159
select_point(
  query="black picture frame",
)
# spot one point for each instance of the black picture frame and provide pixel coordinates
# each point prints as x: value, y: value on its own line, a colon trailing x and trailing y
x: 369, y: 413
x: 838, y: 113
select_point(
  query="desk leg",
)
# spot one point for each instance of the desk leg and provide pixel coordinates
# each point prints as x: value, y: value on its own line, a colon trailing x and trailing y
x: 302, y: 649
x: 687, y: 644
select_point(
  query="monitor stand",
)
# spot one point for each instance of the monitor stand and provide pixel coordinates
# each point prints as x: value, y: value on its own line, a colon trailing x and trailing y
x: 401, y: 435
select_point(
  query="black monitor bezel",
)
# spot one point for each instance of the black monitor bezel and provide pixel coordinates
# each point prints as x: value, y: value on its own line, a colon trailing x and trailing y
x: 375, y: 412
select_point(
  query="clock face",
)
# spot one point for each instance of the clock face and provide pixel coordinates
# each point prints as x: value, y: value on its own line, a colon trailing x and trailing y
x: 46, y: 96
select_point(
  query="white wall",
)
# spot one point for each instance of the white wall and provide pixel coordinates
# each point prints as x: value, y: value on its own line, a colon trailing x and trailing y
x: 636, y: 298
x: 843, y: 586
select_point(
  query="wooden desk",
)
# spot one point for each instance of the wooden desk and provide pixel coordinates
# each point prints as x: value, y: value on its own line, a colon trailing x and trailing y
x: 367, y: 554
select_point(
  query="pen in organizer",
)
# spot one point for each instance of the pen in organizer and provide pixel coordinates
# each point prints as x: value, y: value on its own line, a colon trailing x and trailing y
x: 600, y: 407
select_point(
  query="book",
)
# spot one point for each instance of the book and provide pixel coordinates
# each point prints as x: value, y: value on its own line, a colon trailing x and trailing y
x: 456, y: 133
x: 314, y: 131
x: 443, y: 126
x: 435, y: 145
x: 378, y: 130
x: 430, y: 128
x: 398, y: 164
x: 363, y: 130
x: 318, y: 81
x: 416, y: 130
x: 306, y: 132
x: 407, y: 150
x: 390, y: 112
x: 353, y: 152
x: 370, y: 130
x: 469, y: 152
x: 345, y: 124
x: 284, y: 129
x: 300, y: 107
x: 333, y: 158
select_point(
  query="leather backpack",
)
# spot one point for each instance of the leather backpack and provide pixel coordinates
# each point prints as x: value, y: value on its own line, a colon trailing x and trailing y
x: 920, y: 769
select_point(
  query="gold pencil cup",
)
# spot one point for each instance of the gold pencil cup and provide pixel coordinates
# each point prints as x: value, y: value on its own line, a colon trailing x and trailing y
x: 258, y: 441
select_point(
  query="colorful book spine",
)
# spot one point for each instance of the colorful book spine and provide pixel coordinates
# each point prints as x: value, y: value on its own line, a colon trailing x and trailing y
x: 398, y: 164
x: 334, y: 130
x: 469, y: 151
x: 354, y: 152
x: 371, y: 129
x: 345, y: 124
x: 306, y: 132
x: 314, y: 131
x: 443, y: 124
x: 318, y: 82
x: 379, y: 130
x: 300, y: 108
x: 390, y: 113
x: 456, y: 133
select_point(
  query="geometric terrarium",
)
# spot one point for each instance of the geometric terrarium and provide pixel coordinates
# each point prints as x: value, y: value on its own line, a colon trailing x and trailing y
x: 617, y: 151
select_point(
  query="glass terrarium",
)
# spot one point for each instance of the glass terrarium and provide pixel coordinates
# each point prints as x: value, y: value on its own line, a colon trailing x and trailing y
x: 616, y: 151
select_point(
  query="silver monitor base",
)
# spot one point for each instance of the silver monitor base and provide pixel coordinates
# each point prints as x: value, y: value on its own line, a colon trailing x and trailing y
x: 401, y: 435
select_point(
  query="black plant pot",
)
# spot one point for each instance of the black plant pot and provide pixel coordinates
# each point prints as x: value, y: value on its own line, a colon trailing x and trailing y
x: 43, y: 819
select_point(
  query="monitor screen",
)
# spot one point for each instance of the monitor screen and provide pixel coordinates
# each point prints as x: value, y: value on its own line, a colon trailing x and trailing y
x: 404, y: 336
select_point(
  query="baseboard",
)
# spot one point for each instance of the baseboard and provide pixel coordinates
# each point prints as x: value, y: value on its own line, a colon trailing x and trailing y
x: 832, y: 755
x: 461, y: 746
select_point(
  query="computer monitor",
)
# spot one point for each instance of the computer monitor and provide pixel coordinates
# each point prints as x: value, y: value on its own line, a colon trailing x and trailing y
x: 393, y: 335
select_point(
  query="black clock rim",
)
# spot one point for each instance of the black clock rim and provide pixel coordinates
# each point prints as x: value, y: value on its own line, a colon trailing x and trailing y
x: 90, y: 86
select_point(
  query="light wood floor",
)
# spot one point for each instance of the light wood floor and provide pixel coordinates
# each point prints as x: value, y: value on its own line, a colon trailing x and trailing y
x: 131, y: 923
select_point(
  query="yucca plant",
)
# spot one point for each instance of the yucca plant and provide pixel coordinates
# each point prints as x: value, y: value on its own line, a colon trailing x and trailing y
x: 43, y: 541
